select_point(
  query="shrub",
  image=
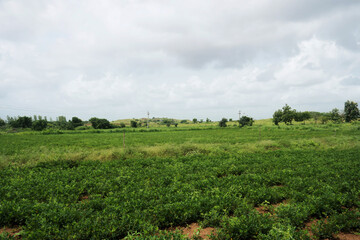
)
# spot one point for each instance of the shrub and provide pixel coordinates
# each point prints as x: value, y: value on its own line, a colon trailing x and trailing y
x: 245, y: 121
x: 39, y: 125
x: 133, y: 124
x: 223, y: 122
x: 22, y: 122
x: 100, y: 123
x: 76, y: 122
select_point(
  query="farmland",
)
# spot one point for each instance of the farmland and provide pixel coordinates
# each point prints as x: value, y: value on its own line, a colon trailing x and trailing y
x: 260, y: 182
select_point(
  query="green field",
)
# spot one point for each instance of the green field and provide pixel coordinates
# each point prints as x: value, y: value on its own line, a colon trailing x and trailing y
x: 260, y: 182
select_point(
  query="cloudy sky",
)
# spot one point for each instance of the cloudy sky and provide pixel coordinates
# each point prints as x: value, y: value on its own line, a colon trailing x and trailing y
x: 180, y: 59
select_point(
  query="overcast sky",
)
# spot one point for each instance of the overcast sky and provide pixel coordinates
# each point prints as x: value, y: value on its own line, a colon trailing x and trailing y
x: 178, y: 59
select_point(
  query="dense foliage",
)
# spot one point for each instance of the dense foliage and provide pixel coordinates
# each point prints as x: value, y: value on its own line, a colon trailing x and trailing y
x: 222, y: 122
x: 39, y: 125
x: 351, y: 111
x: 246, y: 121
x: 100, y: 123
x: 2, y: 122
x: 21, y: 122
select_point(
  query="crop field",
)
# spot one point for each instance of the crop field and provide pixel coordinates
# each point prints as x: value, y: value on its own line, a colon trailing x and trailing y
x: 259, y: 182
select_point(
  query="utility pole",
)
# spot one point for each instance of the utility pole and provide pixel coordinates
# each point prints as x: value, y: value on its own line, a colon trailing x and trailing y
x: 239, y: 114
x: 147, y: 121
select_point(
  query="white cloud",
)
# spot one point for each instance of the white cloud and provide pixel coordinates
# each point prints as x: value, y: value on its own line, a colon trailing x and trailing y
x: 177, y: 59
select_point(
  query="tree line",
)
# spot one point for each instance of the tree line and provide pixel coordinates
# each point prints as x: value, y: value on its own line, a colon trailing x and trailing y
x: 287, y: 115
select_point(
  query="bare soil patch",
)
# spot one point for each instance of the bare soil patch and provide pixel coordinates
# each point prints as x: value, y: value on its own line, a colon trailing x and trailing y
x: 270, y: 208
x: 347, y: 236
x: 310, y: 223
x: 195, y: 230
x: 308, y: 226
x: 11, y: 231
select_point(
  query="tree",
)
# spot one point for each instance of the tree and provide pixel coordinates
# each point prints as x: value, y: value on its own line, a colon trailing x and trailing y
x: 325, y: 118
x: 195, y: 120
x: 39, y: 125
x: 61, y: 119
x: 133, y: 124
x: 306, y: 116
x: 176, y: 124
x: 223, y: 122
x: 2, y: 122
x: 21, y: 122
x: 208, y: 120
x: 351, y: 111
x: 245, y: 121
x: 287, y: 114
x: 335, y: 116
x: 277, y: 116
x: 301, y: 116
x: 122, y: 125
x: 76, y: 121
x: 100, y: 123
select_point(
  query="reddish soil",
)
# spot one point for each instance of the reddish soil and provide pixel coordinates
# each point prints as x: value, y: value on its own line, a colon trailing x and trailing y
x: 263, y: 209
x: 195, y: 230
x: 309, y: 224
x: 347, y: 236
x: 11, y: 231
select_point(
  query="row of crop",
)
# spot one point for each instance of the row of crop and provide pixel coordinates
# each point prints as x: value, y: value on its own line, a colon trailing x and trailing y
x: 67, y: 199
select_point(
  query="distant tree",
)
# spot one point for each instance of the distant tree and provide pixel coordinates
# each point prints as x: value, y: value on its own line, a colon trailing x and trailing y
x: 100, y: 123
x: 306, y: 116
x: 324, y: 118
x: 351, y: 111
x: 335, y: 116
x: 195, y: 120
x: 245, y: 121
x: 184, y: 121
x: 21, y: 122
x: 201, y: 121
x: 2, y: 122
x: 230, y: 119
x: 10, y: 119
x: 167, y: 121
x: 122, y: 125
x: 61, y: 119
x: 208, y: 120
x: 133, y: 124
x: 223, y: 122
x: 168, y: 124
x: 39, y: 125
x: 176, y: 124
x: 301, y: 116
x: 287, y: 114
x: 277, y: 117
x: 76, y: 121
